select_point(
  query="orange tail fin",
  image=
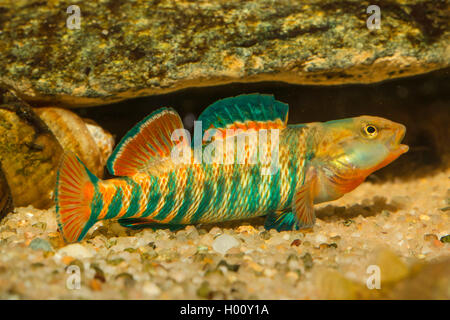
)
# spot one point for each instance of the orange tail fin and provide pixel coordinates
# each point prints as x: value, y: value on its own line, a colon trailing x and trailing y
x: 76, y: 208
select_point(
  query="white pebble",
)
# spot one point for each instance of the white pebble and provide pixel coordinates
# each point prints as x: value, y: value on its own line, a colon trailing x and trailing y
x: 75, y: 250
x: 224, y: 242
x: 151, y: 289
x: 320, y: 238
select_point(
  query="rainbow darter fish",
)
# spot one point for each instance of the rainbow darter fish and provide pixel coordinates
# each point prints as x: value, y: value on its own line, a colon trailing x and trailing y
x: 316, y: 162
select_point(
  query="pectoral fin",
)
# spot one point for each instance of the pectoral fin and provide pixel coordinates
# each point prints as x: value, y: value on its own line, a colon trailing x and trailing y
x: 302, y: 214
x: 302, y: 204
x: 281, y: 221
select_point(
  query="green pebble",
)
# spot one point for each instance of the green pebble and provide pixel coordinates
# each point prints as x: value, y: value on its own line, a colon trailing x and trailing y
x: 115, y: 262
x: 127, y: 278
x: 307, y: 261
x: 202, y: 249
x: 40, y: 225
x: 40, y: 244
x: 265, y: 235
x: 445, y: 239
x: 204, y: 291
x: 348, y: 222
x: 230, y: 267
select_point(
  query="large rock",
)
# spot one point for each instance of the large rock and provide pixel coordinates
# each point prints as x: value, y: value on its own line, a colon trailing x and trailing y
x: 131, y: 48
x: 30, y: 155
x: 32, y: 143
x: 5, y: 195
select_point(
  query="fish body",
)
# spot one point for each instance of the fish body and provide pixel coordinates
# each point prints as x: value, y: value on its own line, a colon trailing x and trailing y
x: 282, y: 173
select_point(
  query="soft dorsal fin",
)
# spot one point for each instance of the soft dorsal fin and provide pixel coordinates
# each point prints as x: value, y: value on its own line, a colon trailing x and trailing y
x: 246, y: 112
x: 147, y: 145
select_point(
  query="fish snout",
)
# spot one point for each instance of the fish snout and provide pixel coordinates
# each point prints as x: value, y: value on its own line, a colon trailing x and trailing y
x: 399, y: 134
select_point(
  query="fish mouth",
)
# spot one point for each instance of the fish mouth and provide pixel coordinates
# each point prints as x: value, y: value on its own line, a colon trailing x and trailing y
x: 395, y: 145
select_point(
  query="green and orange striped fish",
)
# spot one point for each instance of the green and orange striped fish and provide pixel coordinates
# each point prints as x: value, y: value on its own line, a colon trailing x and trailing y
x: 309, y: 164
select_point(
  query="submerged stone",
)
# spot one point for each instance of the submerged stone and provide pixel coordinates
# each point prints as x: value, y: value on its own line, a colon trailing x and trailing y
x: 126, y: 49
x: 6, y: 204
x: 40, y: 244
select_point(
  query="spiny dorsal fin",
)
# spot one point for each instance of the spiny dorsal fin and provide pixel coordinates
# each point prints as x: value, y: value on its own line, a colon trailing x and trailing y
x: 246, y: 112
x: 147, y: 146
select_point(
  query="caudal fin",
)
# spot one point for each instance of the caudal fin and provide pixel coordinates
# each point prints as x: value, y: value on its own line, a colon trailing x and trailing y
x: 74, y: 195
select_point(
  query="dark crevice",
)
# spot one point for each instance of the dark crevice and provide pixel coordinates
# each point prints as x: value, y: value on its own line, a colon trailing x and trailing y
x: 422, y: 103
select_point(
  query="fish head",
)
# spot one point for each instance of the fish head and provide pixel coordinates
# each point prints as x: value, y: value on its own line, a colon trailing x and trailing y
x: 348, y: 150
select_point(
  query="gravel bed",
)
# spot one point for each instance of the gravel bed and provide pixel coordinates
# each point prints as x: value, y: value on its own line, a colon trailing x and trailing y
x: 401, y: 226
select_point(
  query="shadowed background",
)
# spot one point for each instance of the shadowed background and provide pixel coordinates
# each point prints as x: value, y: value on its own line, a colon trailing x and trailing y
x: 422, y: 103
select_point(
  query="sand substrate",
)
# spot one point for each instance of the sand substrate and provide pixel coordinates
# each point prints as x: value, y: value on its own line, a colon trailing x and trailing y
x: 389, y: 236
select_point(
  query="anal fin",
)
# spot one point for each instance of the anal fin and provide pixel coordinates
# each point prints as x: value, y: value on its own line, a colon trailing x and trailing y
x: 138, y: 224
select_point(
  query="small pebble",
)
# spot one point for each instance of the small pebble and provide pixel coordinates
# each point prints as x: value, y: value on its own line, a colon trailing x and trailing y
x: 40, y: 244
x: 335, y: 238
x: 224, y: 242
x: 151, y: 289
x: 127, y: 278
x: 75, y: 250
x: 246, y: 229
x: 296, y: 242
x: 307, y: 261
x: 204, y: 291
x: 385, y: 213
x: 430, y: 237
x: 348, y: 222
x: 265, y: 235
x: 115, y: 262
x: 320, y: 238
x: 95, y: 285
x: 99, y: 274
x: 230, y: 267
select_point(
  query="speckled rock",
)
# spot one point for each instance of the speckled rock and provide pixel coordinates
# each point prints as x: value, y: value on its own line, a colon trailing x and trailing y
x: 125, y: 49
x: 30, y: 154
x: 31, y: 145
x: 89, y: 141
x: 5, y: 195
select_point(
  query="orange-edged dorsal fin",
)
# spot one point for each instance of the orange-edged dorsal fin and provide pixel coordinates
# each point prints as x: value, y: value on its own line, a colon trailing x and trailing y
x: 245, y: 112
x: 147, y: 146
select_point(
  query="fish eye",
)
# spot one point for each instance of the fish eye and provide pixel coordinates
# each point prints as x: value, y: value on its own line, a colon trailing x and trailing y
x: 370, y: 130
